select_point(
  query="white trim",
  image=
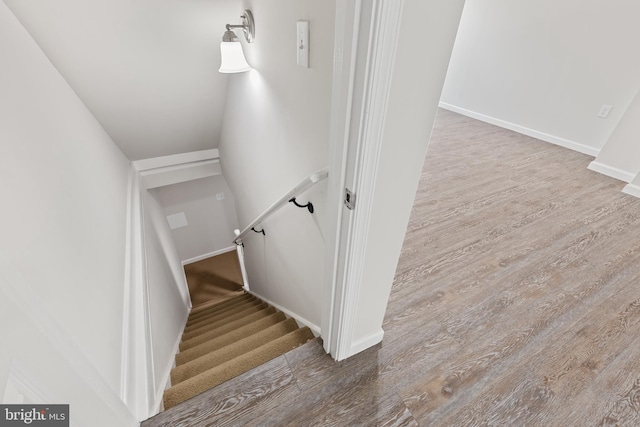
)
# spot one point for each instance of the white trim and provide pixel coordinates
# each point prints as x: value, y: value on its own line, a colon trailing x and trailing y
x: 347, y: 29
x: 209, y: 255
x: 137, y: 375
x: 301, y: 320
x: 129, y: 279
x: 167, y: 170
x: 563, y: 142
x: 611, y: 171
x: 166, y: 380
x: 632, y: 190
x: 366, y: 342
x: 383, y: 36
x: 145, y: 339
x: 176, y: 174
x: 176, y: 159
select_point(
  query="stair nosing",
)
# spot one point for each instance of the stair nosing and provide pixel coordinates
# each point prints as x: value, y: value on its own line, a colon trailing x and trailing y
x: 228, y: 366
x: 226, y: 303
x: 188, y: 343
x: 271, y: 333
x: 214, y: 325
x: 277, y: 317
x: 191, y: 323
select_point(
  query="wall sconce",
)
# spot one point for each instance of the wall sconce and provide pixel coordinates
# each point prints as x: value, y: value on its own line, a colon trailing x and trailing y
x: 233, y: 60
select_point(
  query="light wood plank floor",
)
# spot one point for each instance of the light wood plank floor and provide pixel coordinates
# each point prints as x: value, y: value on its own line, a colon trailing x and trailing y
x: 516, y: 303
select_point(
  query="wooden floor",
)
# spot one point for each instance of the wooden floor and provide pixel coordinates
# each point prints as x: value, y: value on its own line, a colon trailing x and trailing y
x: 516, y: 303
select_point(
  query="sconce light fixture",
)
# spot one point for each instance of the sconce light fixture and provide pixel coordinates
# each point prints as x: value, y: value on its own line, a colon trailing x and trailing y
x: 233, y: 60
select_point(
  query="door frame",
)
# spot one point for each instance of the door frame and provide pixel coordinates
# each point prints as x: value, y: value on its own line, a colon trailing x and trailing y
x: 366, y: 35
x: 381, y: 120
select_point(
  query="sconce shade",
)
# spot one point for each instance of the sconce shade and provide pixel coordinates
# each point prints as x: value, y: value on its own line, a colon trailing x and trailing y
x: 233, y: 60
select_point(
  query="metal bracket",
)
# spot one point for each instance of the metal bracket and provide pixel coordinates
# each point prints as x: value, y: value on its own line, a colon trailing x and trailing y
x: 258, y: 231
x: 349, y: 199
x: 308, y: 205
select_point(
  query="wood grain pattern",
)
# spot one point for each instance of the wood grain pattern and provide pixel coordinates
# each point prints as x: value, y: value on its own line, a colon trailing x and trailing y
x: 515, y: 303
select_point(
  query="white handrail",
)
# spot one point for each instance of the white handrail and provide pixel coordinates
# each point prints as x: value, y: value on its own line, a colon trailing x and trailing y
x: 304, y: 185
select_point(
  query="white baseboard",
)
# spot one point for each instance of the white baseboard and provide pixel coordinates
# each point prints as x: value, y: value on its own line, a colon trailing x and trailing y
x: 158, y: 405
x: 209, y: 255
x: 612, y: 172
x: 366, y: 342
x: 566, y: 143
x: 632, y: 190
x: 301, y: 320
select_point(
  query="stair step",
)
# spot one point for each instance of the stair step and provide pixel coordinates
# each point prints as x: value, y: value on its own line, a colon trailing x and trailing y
x: 226, y: 353
x: 228, y: 338
x: 193, y: 323
x: 223, y: 329
x: 201, y: 308
x: 213, y: 325
x: 234, y: 367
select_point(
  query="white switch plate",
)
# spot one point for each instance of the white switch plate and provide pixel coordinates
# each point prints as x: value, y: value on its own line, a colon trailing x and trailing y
x: 303, y: 43
x: 604, y: 111
x: 219, y: 196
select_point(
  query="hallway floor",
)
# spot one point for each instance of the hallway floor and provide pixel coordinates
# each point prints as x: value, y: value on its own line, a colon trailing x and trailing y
x: 515, y: 303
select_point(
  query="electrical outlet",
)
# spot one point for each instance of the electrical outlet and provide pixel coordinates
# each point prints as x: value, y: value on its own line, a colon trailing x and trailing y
x: 219, y: 196
x: 604, y: 111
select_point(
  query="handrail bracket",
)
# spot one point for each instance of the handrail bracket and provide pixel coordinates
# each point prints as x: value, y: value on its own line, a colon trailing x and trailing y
x: 309, y: 205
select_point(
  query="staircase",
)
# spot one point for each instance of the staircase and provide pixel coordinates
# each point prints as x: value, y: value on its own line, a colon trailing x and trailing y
x: 225, y: 339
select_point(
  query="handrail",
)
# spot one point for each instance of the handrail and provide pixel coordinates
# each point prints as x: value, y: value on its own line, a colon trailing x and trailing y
x: 304, y: 185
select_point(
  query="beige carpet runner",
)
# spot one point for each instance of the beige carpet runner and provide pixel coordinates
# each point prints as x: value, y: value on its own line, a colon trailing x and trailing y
x: 226, y: 339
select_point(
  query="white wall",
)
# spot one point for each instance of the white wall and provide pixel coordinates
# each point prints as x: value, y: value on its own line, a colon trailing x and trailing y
x: 429, y: 26
x: 275, y: 132
x: 545, y: 68
x: 620, y: 157
x: 211, y: 221
x: 169, y: 301
x: 147, y: 69
x: 64, y: 188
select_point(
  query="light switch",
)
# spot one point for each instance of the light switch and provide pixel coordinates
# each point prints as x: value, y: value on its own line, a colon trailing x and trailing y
x: 303, y: 43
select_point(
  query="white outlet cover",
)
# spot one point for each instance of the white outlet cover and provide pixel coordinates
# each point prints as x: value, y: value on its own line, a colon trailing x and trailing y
x: 604, y: 111
x: 177, y: 220
x: 219, y: 196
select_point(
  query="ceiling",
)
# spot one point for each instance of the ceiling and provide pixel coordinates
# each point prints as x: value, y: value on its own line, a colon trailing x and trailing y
x: 147, y: 69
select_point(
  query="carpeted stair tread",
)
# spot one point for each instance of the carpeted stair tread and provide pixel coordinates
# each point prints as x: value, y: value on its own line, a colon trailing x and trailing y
x: 200, y: 308
x: 206, y: 308
x: 219, y: 322
x: 212, y: 317
x: 193, y: 323
x: 223, y: 329
x: 215, y: 376
x: 212, y: 304
x: 228, y: 338
x: 228, y: 352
